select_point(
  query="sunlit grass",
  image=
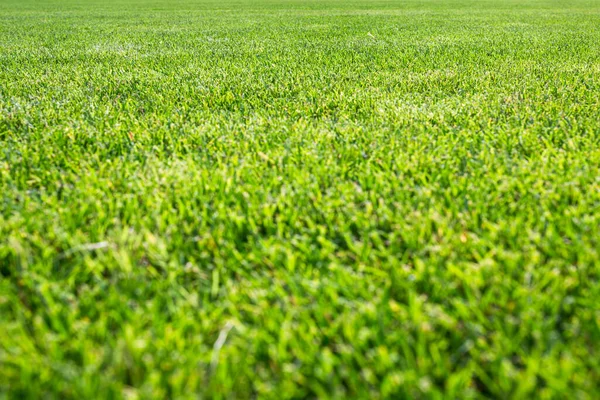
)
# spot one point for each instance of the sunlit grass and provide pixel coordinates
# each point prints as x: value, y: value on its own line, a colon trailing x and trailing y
x: 289, y: 199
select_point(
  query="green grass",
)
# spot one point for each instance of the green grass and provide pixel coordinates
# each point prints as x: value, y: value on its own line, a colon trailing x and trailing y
x: 299, y: 199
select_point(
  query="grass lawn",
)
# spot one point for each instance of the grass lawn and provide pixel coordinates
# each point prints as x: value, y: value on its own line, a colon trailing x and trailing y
x: 299, y: 199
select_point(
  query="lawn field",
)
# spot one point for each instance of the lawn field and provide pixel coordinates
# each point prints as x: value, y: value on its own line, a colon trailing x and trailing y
x: 299, y: 199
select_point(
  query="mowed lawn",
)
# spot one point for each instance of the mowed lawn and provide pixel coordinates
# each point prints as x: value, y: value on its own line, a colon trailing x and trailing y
x: 299, y: 199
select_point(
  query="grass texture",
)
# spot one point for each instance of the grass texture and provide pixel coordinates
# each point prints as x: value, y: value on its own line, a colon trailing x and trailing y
x: 299, y: 199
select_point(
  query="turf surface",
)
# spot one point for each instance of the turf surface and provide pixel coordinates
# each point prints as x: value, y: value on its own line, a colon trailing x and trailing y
x: 291, y: 199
